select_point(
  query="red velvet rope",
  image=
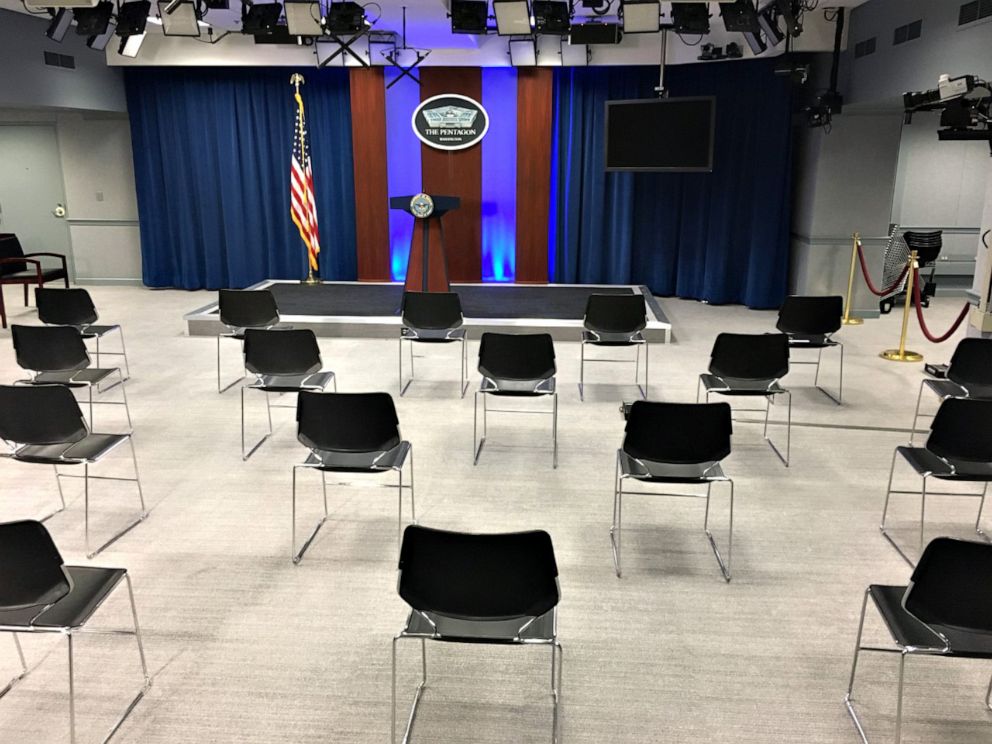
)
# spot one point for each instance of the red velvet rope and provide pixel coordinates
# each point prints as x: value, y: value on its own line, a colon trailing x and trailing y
x: 923, y: 324
x: 871, y: 286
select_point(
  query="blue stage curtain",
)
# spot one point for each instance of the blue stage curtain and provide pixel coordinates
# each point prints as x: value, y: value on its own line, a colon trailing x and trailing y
x: 723, y: 236
x: 212, y: 150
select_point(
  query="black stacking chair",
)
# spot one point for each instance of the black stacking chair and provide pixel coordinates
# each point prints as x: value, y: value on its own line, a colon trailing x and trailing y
x: 615, y: 321
x: 959, y: 449
x: 58, y: 355
x: 43, y: 425
x: 945, y: 611
x: 516, y: 366
x: 674, y: 443
x: 351, y: 433
x: 74, y: 307
x: 751, y: 365
x: 284, y: 361
x: 810, y: 323
x: 40, y: 594
x: 240, y: 309
x: 433, y: 318
x: 465, y: 588
x: 18, y: 267
x: 969, y: 375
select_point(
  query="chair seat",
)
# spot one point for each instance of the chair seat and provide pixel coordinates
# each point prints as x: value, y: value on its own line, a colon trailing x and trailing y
x: 89, y: 586
x: 950, y: 389
x: 816, y: 341
x: 97, y: 331
x: 651, y: 471
x: 359, y: 462
x: 30, y: 276
x: 602, y: 338
x: 908, y: 631
x: 75, y: 378
x: 518, y: 388
x: 739, y: 386
x: 460, y: 630
x: 292, y: 383
x: 89, y: 449
x: 924, y: 462
x: 433, y: 335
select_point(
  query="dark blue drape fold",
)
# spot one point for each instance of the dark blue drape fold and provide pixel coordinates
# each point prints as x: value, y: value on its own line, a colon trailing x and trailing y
x: 723, y: 236
x: 212, y: 151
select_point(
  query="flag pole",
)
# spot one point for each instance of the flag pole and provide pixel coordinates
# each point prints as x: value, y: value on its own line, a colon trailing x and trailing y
x: 296, y: 80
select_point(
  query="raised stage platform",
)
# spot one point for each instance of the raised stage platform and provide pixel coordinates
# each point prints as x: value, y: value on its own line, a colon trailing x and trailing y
x: 370, y: 309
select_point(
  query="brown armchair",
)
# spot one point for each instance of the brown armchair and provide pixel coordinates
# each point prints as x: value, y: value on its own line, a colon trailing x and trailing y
x: 18, y: 267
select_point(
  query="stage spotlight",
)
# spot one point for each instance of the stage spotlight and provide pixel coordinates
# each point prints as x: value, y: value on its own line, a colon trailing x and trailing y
x: 551, y: 17
x: 523, y: 52
x: 469, y: 16
x: 60, y: 25
x: 260, y: 19
x: 768, y: 20
x: 789, y: 10
x: 347, y: 18
x: 303, y: 18
x: 594, y: 32
x: 512, y: 17
x: 734, y: 51
x: 131, y: 45
x: 757, y: 44
x: 132, y: 18
x: 740, y: 17
x: 93, y: 21
x: 179, y: 18
x: 99, y: 41
x: 691, y: 18
x: 641, y: 16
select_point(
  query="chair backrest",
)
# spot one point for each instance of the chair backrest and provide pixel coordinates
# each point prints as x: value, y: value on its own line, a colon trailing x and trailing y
x: 961, y: 431
x: 248, y: 308
x: 65, y: 306
x: 433, y: 311
x: 495, y: 576
x: 926, y: 244
x: 750, y: 356
x: 950, y: 585
x: 811, y: 316
x: 49, y: 348
x: 616, y: 313
x: 31, y: 572
x: 678, y: 432
x: 347, y: 422
x: 971, y: 362
x: 10, y: 247
x: 289, y: 352
x: 525, y: 356
x: 40, y: 414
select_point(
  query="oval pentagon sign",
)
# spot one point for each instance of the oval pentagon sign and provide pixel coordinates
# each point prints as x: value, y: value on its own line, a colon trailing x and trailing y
x: 450, y: 122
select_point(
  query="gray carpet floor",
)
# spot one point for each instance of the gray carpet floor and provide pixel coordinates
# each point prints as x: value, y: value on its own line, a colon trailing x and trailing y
x: 246, y: 647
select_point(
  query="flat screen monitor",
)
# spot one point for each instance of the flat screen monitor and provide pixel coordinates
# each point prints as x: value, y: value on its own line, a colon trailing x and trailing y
x: 663, y: 134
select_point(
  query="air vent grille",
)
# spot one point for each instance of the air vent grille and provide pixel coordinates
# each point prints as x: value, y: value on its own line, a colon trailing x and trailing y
x: 864, y: 48
x: 908, y: 32
x: 67, y: 61
x: 974, y: 11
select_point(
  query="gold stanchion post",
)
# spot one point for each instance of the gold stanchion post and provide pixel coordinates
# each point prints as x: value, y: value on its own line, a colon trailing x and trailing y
x: 848, y: 320
x: 902, y: 354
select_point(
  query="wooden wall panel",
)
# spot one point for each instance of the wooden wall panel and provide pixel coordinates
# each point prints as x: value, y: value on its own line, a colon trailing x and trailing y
x: 368, y: 136
x: 534, y: 119
x: 456, y: 173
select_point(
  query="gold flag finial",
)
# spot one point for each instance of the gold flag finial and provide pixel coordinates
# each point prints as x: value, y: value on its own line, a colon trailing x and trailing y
x: 296, y: 79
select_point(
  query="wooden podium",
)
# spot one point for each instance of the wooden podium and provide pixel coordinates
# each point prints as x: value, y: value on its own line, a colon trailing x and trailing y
x: 427, y: 267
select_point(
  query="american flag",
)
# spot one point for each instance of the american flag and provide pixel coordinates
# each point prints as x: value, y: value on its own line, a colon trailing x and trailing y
x: 304, y: 208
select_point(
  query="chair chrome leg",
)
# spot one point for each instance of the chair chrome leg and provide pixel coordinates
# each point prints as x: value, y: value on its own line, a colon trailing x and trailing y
x: 556, y: 722
x: 477, y: 443
x: 725, y: 568
x: 464, y: 380
x: 885, y: 510
x: 24, y: 667
x: 554, y: 429
x: 402, y: 386
x: 923, y: 510
x: 245, y: 455
x: 127, y: 365
x: 988, y: 696
x: 413, y: 503
x: 298, y: 556
x: 556, y: 654
x: 416, y: 697
x: 637, y: 366
x: 615, y: 530
x: 58, y: 482
x: 582, y: 370
x: 902, y: 677
x: 849, y: 697
x: 72, y: 695
x: 647, y: 370
x: 699, y: 384
x: 788, y: 429
x: 142, y: 515
x: 399, y: 512
x: 838, y: 399
x: 127, y: 408
x: 219, y: 388
x: 981, y: 508
x: 916, y: 412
